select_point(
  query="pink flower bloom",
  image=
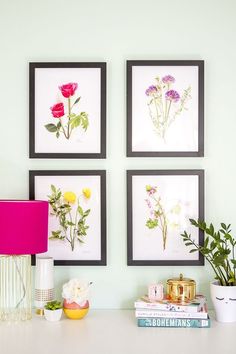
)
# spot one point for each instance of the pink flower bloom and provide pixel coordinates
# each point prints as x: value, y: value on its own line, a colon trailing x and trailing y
x: 57, y: 110
x: 168, y: 79
x: 172, y: 95
x: 68, y: 90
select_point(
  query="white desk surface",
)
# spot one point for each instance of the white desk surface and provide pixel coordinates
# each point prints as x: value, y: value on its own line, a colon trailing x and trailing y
x: 112, y: 332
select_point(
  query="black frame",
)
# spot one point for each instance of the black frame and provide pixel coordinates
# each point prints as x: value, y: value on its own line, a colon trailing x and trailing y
x: 200, y: 64
x: 32, y: 153
x: 102, y: 174
x: 130, y: 260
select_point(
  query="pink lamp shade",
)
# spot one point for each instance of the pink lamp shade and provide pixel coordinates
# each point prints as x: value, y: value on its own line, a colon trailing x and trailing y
x: 23, y: 227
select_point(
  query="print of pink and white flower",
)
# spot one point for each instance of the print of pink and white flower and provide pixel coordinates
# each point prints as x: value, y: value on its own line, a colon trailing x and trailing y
x: 161, y: 216
x: 66, y: 113
x: 165, y: 103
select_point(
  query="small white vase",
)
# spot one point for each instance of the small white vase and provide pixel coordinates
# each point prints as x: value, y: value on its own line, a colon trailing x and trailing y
x: 53, y: 315
x: 224, y: 301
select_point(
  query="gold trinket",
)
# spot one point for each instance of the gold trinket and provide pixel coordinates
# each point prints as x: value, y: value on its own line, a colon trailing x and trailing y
x: 181, y: 289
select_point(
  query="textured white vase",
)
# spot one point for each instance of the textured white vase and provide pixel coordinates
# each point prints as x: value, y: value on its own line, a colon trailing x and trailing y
x: 224, y: 301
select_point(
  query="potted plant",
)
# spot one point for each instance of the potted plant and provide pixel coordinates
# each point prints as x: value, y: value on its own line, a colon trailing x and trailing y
x: 75, y: 294
x: 53, y: 311
x: 219, y: 251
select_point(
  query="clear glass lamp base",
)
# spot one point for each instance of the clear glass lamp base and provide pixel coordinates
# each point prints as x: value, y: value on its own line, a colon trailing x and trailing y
x: 15, y: 287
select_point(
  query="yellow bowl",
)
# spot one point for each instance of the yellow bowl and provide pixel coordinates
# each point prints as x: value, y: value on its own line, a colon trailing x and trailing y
x: 76, y: 314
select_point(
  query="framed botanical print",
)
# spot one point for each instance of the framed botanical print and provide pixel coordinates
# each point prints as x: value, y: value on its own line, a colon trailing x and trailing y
x: 165, y: 108
x: 77, y: 214
x: 67, y: 110
x: 159, y: 206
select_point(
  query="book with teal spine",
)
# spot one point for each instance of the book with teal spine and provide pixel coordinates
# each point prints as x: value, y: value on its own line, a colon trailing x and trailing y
x: 174, y: 322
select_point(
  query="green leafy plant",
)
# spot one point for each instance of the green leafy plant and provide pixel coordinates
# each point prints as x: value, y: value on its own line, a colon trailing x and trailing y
x: 218, y: 249
x: 53, y: 305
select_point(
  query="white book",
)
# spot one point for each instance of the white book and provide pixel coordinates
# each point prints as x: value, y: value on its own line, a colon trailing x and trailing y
x: 166, y: 305
x: 145, y: 313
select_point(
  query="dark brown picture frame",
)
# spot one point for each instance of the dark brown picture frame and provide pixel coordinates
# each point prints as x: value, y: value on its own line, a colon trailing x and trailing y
x: 130, y: 219
x: 130, y: 131
x: 32, y: 116
x: 103, y: 230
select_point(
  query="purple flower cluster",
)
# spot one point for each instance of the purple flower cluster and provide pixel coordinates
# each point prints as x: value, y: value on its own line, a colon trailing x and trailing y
x: 151, y: 90
x: 172, y: 95
x: 168, y: 79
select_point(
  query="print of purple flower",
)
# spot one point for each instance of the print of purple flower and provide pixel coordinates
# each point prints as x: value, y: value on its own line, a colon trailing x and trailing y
x: 172, y: 95
x: 168, y: 79
x: 151, y: 90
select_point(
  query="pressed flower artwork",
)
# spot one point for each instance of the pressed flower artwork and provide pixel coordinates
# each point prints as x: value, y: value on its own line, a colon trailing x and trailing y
x: 165, y: 108
x: 77, y: 212
x: 158, y: 215
x: 67, y: 120
x: 160, y: 204
x: 73, y: 222
x: 68, y: 110
x: 165, y: 104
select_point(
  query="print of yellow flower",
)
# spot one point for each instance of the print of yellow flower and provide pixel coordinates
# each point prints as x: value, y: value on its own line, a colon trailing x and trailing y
x: 69, y: 197
x: 87, y: 192
x: 72, y: 219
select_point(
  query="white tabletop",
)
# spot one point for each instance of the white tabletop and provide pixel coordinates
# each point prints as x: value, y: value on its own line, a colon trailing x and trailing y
x: 112, y: 332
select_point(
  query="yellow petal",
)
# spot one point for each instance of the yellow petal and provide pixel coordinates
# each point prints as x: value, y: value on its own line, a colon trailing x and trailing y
x: 87, y: 192
x: 69, y: 197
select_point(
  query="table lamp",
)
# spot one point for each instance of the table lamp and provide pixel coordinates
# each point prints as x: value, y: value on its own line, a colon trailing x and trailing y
x: 23, y: 232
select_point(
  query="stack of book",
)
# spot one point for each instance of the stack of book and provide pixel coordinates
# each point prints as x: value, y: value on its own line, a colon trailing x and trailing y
x: 168, y: 314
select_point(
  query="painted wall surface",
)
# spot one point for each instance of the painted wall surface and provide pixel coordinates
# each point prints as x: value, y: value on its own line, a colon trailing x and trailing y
x: 114, y: 31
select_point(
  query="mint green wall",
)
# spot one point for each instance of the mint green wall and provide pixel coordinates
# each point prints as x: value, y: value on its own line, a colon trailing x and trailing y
x: 113, y: 31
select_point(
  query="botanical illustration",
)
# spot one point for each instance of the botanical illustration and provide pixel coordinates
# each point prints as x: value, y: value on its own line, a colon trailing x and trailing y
x: 72, y: 218
x: 165, y: 104
x: 66, y: 112
x: 160, y: 217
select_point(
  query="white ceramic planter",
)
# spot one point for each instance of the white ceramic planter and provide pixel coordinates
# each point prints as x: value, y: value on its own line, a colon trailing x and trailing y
x: 224, y: 301
x: 53, y: 315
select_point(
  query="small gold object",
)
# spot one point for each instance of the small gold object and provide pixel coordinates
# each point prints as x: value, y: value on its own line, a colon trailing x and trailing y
x: 39, y: 312
x: 181, y: 289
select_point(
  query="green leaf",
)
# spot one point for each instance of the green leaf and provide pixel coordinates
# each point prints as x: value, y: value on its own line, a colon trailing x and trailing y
x: 206, y: 242
x: 80, y: 210
x: 58, y: 125
x: 86, y: 213
x: 70, y: 223
x: 223, y: 226
x: 151, y: 224
x: 193, y: 250
x: 53, y: 188
x: 57, y: 134
x: 84, y: 120
x: 231, y: 280
x: 188, y: 243
x: 77, y: 100
x: 75, y: 122
x: 52, y: 128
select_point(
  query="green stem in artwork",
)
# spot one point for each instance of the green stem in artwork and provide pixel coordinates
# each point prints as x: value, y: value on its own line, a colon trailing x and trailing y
x: 63, y: 129
x: 69, y: 113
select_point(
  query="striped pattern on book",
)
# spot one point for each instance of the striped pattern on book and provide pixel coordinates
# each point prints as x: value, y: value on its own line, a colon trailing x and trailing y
x: 170, y: 314
x: 174, y: 322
